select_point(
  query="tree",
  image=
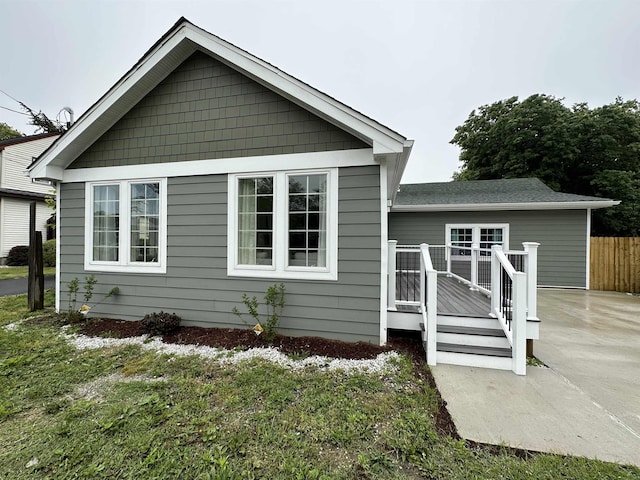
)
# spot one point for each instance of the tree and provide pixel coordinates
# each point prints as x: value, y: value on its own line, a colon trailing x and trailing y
x: 42, y: 123
x: 576, y: 150
x: 7, y: 132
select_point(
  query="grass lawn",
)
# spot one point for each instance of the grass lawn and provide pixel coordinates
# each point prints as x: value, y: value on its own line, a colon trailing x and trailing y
x: 123, y: 412
x: 17, y: 272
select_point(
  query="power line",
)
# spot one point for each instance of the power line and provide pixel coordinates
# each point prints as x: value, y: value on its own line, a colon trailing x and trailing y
x: 14, y: 111
x: 12, y: 98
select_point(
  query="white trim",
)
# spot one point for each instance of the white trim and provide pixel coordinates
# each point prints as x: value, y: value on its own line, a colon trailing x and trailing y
x: 279, y: 269
x: 384, y: 254
x: 296, y: 161
x: 588, y: 261
x: 473, y: 207
x: 123, y: 265
x: 58, y: 265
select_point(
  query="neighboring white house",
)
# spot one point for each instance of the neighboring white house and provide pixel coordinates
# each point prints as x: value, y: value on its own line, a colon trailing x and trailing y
x: 17, y: 190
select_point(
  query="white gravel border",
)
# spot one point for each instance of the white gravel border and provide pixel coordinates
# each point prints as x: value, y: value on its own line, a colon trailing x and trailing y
x: 381, y: 364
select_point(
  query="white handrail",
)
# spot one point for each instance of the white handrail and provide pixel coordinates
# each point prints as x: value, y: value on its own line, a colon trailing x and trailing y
x: 429, y: 301
x: 516, y: 329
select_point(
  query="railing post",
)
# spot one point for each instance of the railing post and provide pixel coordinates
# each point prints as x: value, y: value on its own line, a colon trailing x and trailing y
x: 531, y: 270
x: 474, y: 266
x: 391, y: 273
x: 495, y: 279
x: 519, y: 323
x: 423, y: 286
x: 447, y: 253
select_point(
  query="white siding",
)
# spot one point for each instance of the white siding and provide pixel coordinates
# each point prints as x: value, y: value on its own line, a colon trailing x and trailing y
x: 15, y: 159
x: 14, y: 222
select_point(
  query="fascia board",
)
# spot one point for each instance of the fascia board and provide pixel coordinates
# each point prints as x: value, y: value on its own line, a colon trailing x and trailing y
x: 476, y: 207
x: 384, y: 140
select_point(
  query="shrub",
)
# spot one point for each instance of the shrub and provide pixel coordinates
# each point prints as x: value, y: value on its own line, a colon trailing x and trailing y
x: 18, y: 256
x: 274, y: 302
x: 160, y: 323
x: 49, y: 253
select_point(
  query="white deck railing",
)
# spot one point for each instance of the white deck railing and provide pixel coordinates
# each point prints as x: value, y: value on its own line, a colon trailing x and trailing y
x: 509, y: 278
x: 429, y: 302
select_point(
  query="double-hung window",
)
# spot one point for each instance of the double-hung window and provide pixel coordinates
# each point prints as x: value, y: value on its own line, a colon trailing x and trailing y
x: 283, y: 224
x: 126, y: 224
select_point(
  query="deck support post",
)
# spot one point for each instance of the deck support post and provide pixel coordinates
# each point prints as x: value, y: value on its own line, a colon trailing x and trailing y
x: 531, y: 270
x: 519, y: 323
x: 429, y: 301
x: 391, y: 269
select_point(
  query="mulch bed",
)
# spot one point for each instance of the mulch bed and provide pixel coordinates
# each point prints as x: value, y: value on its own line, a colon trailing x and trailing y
x: 229, y: 338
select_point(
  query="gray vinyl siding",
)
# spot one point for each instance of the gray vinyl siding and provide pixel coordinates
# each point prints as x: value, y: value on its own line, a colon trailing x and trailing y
x: 196, y: 285
x: 562, y: 235
x: 206, y: 110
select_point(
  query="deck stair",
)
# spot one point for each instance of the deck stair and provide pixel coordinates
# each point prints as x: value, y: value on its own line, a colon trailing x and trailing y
x: 471, y: 341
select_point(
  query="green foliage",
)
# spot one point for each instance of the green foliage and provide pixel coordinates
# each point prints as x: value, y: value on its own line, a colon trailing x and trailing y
x: 42, y: 123
x: 574, y: 150
x: 18, y: 256
x: 162, y: 323
x: 274, y: 304
x: 49, y: 253
x: 7, y: 132
x: 73, y: 315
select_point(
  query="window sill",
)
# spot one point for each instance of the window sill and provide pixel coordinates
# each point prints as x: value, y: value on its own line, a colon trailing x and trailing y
x: 97, y: 267
x: 286, y: 275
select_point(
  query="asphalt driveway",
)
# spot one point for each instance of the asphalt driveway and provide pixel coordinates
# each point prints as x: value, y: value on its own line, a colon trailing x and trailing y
x: 17, y: 286
x: 586, y: 403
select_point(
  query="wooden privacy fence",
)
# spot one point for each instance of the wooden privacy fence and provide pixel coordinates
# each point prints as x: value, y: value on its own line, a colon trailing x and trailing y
x: 615, y: 264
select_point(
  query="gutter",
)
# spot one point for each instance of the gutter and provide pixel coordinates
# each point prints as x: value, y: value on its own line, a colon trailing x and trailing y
x: 476, y: 207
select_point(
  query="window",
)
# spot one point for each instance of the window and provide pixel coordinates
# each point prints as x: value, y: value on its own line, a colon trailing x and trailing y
x: 126, y: 226
x: 283, y: 225
x: 484, y: 236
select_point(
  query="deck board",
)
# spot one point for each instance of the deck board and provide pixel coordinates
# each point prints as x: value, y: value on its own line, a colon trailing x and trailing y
x: 454, y: 297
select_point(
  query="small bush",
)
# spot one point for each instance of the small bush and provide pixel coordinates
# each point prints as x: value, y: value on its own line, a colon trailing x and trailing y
x: 18, y: 256
x: 160, y: 323
x: 49, y: 253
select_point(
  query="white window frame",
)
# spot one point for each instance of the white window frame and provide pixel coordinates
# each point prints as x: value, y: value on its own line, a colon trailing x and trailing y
x: 123, y: 264
x: 279, y: 268
x: 475, y: 234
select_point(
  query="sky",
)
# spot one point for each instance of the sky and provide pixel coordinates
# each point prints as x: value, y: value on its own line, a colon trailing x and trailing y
x: 418, y: 67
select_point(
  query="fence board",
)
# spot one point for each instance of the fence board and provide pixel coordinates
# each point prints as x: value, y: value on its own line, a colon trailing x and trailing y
x: 614, y: 264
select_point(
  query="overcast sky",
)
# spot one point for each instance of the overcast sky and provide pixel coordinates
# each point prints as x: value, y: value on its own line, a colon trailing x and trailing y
x: 418, y: 67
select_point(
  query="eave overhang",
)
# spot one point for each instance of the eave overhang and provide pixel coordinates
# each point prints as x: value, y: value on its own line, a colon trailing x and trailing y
x: 483, y: 207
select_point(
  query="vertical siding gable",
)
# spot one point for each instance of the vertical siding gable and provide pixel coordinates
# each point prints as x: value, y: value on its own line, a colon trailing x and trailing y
x: 205, y: 110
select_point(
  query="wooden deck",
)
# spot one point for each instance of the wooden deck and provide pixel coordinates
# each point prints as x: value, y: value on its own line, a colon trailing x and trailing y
x: 454, y: 297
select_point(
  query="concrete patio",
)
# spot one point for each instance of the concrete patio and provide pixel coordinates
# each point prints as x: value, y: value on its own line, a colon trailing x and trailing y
x: 586, y: 403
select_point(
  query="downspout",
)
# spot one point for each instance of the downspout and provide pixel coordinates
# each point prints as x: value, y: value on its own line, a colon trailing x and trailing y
x: 58, y: 266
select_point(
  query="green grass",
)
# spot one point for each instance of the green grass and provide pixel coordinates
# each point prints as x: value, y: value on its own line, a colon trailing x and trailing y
x: 127, y: 413
x: 17, y: 272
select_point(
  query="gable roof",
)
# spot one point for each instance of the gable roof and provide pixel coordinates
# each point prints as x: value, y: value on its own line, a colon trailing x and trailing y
x: 181, y: 41
x: 503, y: 194
x: 27, y: 138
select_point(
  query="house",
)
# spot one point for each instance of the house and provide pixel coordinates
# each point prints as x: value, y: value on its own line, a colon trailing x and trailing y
x: 507, y: 212
x: 17, y: 190
x: 206, y: 172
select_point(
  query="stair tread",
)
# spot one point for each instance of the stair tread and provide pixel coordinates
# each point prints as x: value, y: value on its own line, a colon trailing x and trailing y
x: 488, y: 332
x: 474, y: 350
